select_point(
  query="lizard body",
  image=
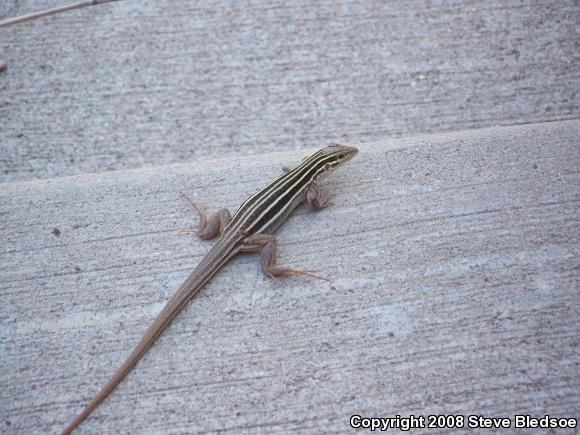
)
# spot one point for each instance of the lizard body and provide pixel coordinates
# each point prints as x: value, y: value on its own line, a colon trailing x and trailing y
x: 249, y: 230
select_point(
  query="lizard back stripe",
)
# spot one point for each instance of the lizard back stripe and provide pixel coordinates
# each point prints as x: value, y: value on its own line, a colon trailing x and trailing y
x: 283, y: 197
x: 260, y: 198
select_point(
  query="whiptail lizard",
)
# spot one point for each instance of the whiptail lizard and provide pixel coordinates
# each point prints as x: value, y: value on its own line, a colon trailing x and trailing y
x: 249, y: 230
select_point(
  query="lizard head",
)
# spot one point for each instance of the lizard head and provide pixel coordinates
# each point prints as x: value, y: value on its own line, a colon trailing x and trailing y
x: 336, y: 154
x: 326, y: 159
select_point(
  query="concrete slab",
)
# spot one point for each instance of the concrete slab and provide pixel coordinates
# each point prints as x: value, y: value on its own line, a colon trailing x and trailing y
x: 455, y: 267
x: 151, y: 82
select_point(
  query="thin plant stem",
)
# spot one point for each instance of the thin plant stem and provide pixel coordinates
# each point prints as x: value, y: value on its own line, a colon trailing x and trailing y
x: 33, y: 16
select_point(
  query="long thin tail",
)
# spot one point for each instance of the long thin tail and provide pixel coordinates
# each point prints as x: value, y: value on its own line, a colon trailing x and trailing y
x: 211, y: 263
x: 146, y: 341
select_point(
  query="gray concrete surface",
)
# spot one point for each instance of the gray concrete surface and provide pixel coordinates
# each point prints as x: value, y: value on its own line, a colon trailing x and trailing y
x: 152, y: 82
x: 455, y: 267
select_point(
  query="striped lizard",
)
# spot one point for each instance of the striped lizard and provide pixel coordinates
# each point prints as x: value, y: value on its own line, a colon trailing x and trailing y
x: 249, y: 230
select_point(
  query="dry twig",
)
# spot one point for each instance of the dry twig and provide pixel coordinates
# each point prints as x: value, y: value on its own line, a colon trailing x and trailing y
x: 52, y: 11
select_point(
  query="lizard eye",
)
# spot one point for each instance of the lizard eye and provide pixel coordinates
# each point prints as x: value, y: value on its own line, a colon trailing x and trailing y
x: 341, y: 156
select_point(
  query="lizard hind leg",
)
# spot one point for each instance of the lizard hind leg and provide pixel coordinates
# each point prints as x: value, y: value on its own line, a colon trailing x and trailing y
x: 210, y: 227
x: 267, y: 244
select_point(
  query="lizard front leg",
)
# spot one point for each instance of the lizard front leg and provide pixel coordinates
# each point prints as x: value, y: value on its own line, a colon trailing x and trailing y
x: 267, y: 244
x: 210, y: 227
x: 317, y: 196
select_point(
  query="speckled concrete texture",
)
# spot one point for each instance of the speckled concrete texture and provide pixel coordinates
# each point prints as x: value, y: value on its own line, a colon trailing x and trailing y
x: 454, y: 262
x: 150, y: 82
